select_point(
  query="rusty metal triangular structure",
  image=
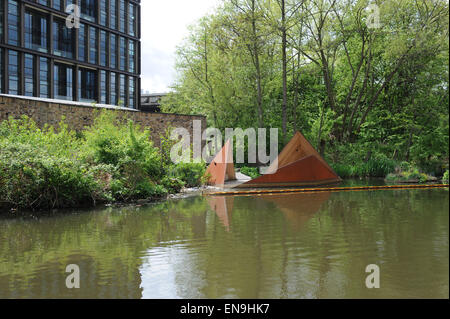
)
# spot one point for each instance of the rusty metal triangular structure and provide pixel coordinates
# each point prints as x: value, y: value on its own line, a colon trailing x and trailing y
x: 222, y: 167
x: 297, y: 148
x: 299, y: 164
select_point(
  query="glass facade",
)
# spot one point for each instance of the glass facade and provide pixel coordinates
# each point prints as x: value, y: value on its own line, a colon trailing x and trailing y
x: 113, y: 89
x: 92, y: 45
x: 87, y: 85
x: 43, y: 78
x: 13, y: 72
x: 88, y: 9
x: 29, y: 75
x: 13, y: 22
x: 36, y: 31
x: 82, y: 44
x: 98, y: 62
x: 2, y: 66
x: 63, y: 81
x: 63, y: 39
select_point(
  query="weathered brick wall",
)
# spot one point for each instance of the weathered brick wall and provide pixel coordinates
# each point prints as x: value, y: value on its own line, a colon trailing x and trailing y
x: 79, y: 115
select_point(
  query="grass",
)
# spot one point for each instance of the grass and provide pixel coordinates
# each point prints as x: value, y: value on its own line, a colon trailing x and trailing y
x: 376, y: 167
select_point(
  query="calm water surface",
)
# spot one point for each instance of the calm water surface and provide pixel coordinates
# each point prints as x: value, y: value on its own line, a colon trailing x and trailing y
x: 282, y: 246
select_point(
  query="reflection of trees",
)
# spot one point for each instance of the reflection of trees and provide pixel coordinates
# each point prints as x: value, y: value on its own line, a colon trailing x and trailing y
x: 107, y: 245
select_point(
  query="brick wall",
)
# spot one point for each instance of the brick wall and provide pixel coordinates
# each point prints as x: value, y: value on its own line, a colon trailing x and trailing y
x: 79, y: 115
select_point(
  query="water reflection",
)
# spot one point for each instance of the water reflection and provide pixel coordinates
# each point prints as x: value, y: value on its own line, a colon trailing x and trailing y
x: 282, y: 246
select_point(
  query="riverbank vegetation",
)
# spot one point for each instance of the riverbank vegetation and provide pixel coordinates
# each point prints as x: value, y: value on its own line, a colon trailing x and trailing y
x: 106, y: 163
x: 369, y: 96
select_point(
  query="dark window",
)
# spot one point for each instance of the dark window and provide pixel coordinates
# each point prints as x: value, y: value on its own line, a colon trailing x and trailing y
x: 88, y: 9
x: 58, y: 4
x: 132, y: 19
x: 103, y: 12
x: 103, y: 86
x: 113, y: 89
x: 122, y: 16
x: 43, y: 78
x: 132, y: 92
x: 63, y: 38
x: 63, y: 82
x: 2, y: 70
x: 36, y: 31
x: 29, y: 75
x: 103, y: 48
x: 87, y: 85
x: 122, y: 93
x: 2, y: 28
x: 131, y: 56
x: 113, y: 51
x: 82, y: 45
x: 13, y: 72
x: 92, y: 45
x: 113, y: 14
x: 122, y: 52
x: 13, y: 22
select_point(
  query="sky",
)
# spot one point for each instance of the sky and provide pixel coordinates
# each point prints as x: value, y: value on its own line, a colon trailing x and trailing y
x: 164, y: 26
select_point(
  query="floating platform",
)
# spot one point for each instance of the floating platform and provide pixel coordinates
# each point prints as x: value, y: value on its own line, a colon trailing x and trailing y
x: 275, y: 191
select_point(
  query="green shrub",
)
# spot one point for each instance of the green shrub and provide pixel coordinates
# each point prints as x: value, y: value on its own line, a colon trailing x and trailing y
x: 32, y: 178
x: 343, y: 170
x: 192, y: 174
x: 108, y: 162
x: 110, y: 142
x: 253, y: 172
x: 172, y: 184
x: 379, y: 166
x: 445, y: 178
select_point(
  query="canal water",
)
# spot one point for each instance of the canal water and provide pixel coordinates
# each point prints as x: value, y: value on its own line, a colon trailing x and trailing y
x: 281, y: 246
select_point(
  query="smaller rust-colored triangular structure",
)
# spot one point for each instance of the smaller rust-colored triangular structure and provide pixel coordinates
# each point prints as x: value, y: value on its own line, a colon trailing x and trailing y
x: 222, y: 167
x: 223, y: 206
x: 299, y: 164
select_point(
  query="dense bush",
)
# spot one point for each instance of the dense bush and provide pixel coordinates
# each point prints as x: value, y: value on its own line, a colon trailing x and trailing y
x: 445, y: 178
x: 191, y: 174
x: 108, y: 162
x: 252, y: 172
x: 32, y: 178
x: 378, y: 166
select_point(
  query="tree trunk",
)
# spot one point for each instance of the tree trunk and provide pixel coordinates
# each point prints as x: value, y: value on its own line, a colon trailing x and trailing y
x: 284, y: 47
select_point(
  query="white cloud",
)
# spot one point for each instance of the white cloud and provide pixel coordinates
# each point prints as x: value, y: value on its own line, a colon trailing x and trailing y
x: 164, y: 26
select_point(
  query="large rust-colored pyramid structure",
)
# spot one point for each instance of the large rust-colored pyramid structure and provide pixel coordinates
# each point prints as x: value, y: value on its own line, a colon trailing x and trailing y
x: 299, y: 164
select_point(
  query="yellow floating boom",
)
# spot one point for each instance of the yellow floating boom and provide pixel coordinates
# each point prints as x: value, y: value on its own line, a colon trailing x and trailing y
x: 323, y: 189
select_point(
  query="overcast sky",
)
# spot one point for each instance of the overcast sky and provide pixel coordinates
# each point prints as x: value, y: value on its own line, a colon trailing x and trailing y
x: 164, y: 26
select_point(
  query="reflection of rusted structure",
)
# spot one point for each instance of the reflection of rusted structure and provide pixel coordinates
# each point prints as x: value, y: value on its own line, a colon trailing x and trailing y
x: 298, y: 209
x: 222, y: 167
x: 223, y: 206
x: 298, y: 164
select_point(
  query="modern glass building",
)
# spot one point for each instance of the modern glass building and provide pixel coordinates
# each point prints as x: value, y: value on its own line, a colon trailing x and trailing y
x: 97, y: 61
